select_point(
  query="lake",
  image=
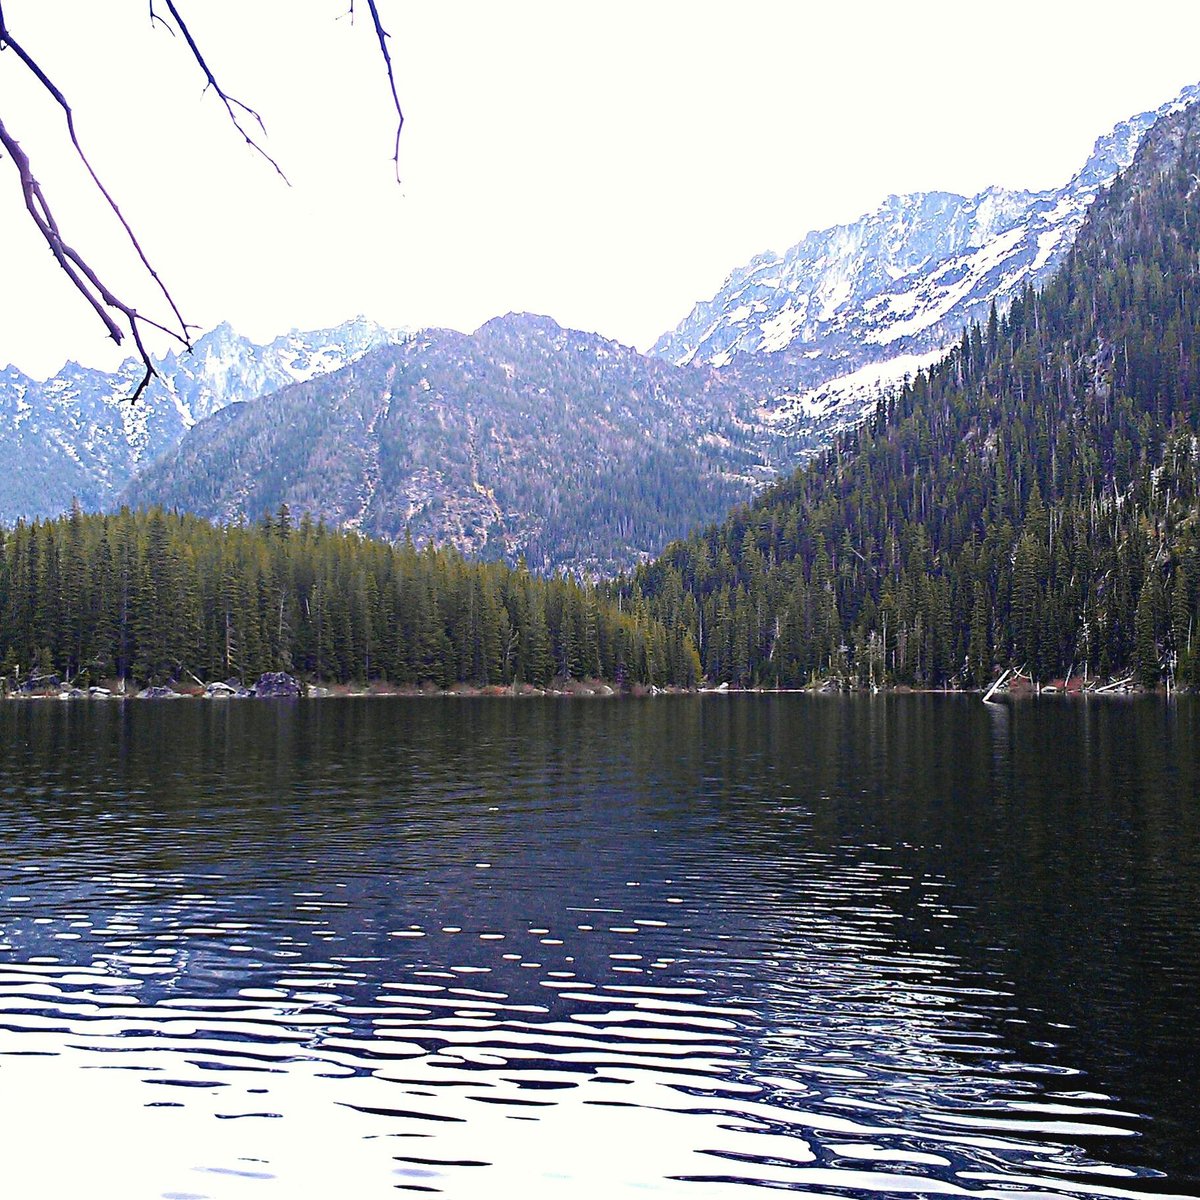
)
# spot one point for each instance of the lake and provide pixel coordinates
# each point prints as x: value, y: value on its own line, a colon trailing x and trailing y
x: 693, y: 946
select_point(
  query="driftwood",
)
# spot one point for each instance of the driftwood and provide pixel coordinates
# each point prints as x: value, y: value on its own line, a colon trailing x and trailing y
x: 987, y: 698
x: 1112, y: 687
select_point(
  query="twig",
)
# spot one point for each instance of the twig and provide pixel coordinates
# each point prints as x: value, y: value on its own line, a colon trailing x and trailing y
x: 156, y: 19
x: 231, y: 103
x: 383, y: 36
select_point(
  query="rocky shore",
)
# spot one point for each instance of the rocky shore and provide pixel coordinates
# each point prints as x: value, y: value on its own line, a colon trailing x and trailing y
x: 280, y: 685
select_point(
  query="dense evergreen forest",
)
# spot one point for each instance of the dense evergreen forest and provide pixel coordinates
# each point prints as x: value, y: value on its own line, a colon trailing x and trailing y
x: 153, y: 596
x: 1030, y: 501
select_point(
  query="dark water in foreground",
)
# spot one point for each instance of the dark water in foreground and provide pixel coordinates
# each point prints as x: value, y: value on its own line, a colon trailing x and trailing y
x: 682, y: 946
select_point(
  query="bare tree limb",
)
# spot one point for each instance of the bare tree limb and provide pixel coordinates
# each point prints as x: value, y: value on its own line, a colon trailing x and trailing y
x: 121, y: 319
x: 60, y: 99
x: 233, y: 106
x: 382, y: 35
x: 83, y: 277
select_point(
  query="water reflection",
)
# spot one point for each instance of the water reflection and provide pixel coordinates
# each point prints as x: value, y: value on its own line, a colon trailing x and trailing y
x: 679, y: 947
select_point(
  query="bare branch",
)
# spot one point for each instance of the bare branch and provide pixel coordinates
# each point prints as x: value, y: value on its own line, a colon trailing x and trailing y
x: 121, y: 319
x: 155, y: 19
x: 383, y: 36
x: 60, y: 99
x: 83, y: 277
x: 233, y: 106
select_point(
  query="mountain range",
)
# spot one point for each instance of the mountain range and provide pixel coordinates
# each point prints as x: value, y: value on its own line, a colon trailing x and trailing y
x: 524, y: 439
x: 77, y: 437
x: 1029, y: 501
x: 817, y: 330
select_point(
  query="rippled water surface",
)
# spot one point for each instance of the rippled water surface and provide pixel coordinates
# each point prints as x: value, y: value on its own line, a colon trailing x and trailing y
x: 692, y: 946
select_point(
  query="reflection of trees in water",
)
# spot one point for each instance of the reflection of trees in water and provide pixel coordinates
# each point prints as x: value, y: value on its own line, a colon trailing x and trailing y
x: 895, y: 902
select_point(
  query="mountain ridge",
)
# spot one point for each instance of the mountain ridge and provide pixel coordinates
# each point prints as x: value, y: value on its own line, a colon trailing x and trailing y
x: 902, y: 280
x: 76, y: 436
x: 522, y: 439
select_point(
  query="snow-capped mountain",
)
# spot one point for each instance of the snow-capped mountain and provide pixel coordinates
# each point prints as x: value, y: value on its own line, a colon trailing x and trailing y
x: 225, y: 368
x: 77, y: 436
x: 895, y: 286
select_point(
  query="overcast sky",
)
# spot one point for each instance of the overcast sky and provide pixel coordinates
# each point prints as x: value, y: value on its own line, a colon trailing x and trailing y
x: 607, y: 164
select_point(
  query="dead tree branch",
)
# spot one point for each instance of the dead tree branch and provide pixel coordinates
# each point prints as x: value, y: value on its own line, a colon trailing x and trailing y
x: 382, y: 35
x: 233, y: 106
x: 118, y: 317
x: 8, y: 42
x: 83, y: 277
x: 113, y: 312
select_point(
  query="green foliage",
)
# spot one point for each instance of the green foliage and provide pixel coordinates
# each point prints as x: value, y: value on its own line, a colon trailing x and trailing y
x: 1030, y: 500
x: 154, y: 596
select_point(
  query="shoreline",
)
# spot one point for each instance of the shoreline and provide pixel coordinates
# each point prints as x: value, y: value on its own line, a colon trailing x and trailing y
x: 587, y: 690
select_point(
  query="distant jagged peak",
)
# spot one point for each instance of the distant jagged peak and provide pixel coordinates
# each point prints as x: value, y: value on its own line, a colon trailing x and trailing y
x: 220, y: 331
x: 355, y: 336
x: 101, y: 439
x: 903, y: 278
x: 1114, y: 150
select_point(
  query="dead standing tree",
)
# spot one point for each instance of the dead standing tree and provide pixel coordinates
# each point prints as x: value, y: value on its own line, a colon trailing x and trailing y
x: 120, y: 318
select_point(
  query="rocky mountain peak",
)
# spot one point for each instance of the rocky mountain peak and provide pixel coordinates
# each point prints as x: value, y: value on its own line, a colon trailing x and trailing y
x: 522, y: 322
x: 75, y: 435
x: 901, y: 280
x: 1114, y: 151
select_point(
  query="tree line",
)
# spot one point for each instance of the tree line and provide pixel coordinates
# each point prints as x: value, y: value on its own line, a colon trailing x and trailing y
x: 154, y: 596
x: 1029, y: 501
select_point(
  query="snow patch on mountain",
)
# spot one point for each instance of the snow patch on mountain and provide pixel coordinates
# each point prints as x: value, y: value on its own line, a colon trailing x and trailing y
x: 78, y: 436
x: 934, y: 296
x: 899, y: 283
x: 846, y: 399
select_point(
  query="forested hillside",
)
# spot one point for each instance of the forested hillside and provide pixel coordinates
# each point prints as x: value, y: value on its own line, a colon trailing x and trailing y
x: 154, y: 596
x: 76, y: 436
x: 522, y: 439
x: 1031, y: 500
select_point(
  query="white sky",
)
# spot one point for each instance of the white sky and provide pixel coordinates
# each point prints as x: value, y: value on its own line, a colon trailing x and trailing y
x: 607, y: 164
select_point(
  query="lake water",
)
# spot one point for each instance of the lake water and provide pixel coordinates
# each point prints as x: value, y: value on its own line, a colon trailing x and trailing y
x: 681, y: 946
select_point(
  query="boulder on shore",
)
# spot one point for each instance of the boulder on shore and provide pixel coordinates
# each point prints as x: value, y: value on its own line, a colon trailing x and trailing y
x: 226, y: 691
x: 277, y: 683
x: 41, y: 683
x: 158, y: 693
